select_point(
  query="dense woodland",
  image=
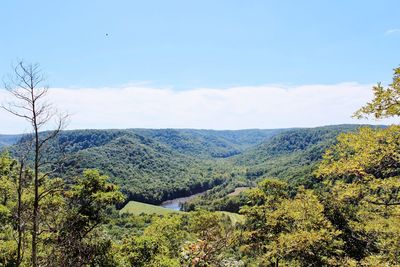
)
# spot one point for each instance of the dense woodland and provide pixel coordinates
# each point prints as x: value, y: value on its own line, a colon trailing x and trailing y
x: 156, y: 165
x: 326, y: 196
x: 153, y: 165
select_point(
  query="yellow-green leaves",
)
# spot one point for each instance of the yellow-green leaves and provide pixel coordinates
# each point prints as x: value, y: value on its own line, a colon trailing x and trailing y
x: 305, y: 235
x: 292, y: 231
x: 362, y: 178
x: 363, y: 156
x: 386, y: 102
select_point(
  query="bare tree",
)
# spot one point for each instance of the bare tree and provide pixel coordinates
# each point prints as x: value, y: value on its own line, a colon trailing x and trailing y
x: 29, y: 93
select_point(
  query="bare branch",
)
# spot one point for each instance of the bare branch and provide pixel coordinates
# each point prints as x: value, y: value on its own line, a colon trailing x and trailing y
x: 26, y: 86
x: 384, y: 203
x: 16, y: 113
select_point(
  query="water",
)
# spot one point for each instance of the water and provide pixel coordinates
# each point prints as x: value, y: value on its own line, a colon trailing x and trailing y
x: 175, y: 204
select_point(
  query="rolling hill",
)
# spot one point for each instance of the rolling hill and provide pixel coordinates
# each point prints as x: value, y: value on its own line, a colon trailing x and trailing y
x: 290, y: 155
x: 153, y: 165
x: 8, y: 140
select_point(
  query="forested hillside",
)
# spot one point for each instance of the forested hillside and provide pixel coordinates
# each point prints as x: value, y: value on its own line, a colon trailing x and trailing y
x: 7, y: 140
x: 153, y: 165
x: 291, y: 155
x: 209, y: 143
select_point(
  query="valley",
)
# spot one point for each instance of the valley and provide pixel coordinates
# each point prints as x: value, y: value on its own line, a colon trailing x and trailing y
x: 156, y: 165
x: 146, y: 196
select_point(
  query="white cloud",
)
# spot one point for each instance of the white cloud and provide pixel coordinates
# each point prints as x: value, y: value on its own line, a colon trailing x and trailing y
x: 207, y: 108
x: 392, y: 31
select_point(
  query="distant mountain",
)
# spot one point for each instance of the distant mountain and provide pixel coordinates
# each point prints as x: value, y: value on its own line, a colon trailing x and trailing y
x: 8, y: 140
x: 208, y: 143
x: 290, y: 155
x: 153, y: 165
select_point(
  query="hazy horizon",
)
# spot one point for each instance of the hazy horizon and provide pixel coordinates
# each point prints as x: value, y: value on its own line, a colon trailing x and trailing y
x: 205, y: 129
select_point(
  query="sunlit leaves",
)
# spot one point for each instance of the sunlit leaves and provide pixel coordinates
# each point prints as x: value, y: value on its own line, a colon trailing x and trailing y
x: 386, y: 102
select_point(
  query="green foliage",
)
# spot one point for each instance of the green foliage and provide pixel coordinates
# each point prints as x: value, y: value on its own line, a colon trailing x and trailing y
x: 168, y: 231
x: 214, y: 237
x: 292, y: 155
x: 334, y: 201
x: 70, y: 218
x: 184, y: 239
x: 307, y: 236
x: 80, y: 241
x: 361, y: 174
x: 219, y: 198
x: 386, y: 102
x: 8, y: 246
x: 142, y: 250
x: 289, y: 231
x: 146, y: 169
x: 208, y: 143
x: 155, y: 165
x: 8, y: 140
x: 233, y: 217
x: 364, y: 155
x: 158, y: 245
x: 261, y: 204
x: 91, y: 194
x: 351, y: 217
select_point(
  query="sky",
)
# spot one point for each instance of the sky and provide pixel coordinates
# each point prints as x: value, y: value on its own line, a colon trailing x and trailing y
x: 203, y: 64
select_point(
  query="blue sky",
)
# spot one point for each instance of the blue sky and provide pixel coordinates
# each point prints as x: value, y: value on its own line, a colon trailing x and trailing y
x: 188, y: 45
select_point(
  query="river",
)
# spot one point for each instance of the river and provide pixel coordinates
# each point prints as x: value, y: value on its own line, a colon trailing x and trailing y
x: 175, y: 204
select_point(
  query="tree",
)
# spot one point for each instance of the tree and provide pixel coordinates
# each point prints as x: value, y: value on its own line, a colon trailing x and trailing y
x: 213, y: 237
x: 386, y: 102
x: 361, y: 174
x: 282, y: 230
x: 305, y: 235
x: 27, y: 88
x: 362, y: 177
x: 363, y: 156
x: 158, y: 245
x: 7, y: 204
x: 263, y: 200
x: 15, y: 211
x: 86, y: 210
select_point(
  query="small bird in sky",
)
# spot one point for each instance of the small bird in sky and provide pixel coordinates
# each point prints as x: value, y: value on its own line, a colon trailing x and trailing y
x: 106, y: 34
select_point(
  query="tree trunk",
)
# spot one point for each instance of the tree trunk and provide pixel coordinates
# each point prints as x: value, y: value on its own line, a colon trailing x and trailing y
x: 19, y: 212
x: 35, y: 218
x: 27, y: 88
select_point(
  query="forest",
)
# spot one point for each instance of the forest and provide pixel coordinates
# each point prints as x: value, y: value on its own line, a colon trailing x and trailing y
x: 155, y: 165
x: 324, y: 196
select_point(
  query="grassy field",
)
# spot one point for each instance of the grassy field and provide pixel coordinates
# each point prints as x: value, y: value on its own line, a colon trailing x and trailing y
x: 136, y: 208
